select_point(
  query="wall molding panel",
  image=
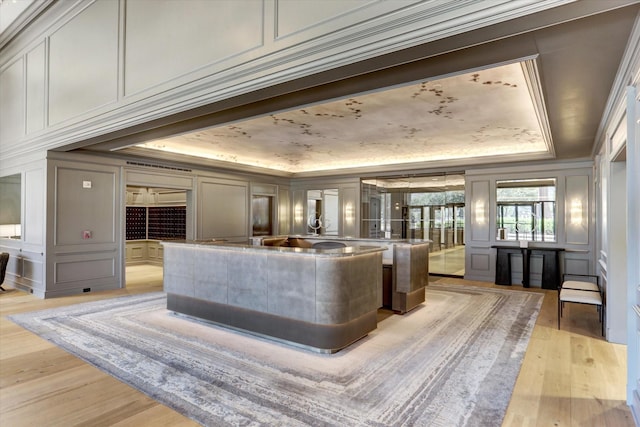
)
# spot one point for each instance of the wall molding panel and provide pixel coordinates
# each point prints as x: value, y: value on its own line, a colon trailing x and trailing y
x: 100, y: 79
x: 223, y: 209
x: 83, y: 63
x: 577, y: 209
x: 574, y: 221
x: 84, y: 235
x: 70, y: 272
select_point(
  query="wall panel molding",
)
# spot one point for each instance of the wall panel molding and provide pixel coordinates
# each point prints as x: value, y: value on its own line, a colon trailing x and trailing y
x: 83, y: 63
x: 255, y: 63
x: 93, y: 211
x: 68, y: 272
x: 12, y: 103
x: 577, y: 208
x: 223, y: 209
x: 480, y: 204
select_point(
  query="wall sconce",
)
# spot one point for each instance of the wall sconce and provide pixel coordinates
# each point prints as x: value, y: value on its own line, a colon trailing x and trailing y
x: 575, y: 212
x: 298, y: 214
x: 349, y: 213
x: 479, y: 212
x: 397, y: 206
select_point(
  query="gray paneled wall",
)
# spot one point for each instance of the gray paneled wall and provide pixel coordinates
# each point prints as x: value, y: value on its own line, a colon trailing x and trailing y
x: 223, y: 209
x: 84, y: 245
x: 348, y: 206
x: 574, y: 219
x: 26, y: 268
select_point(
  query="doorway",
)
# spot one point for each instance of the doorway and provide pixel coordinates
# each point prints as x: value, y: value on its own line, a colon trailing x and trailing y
x: 262, y: 215
x: 152, y: 215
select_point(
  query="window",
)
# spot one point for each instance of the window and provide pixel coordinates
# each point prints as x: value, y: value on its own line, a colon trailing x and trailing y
x: 10, y: 206
x: 526, y: 210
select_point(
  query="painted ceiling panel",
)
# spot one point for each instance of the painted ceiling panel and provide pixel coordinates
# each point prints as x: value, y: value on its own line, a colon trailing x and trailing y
x: 478, y: 114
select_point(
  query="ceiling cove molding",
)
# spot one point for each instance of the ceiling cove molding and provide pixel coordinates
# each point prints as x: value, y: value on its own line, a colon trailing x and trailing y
x: 628, y: 74
x: 396, y: 168
x: 182, y: 159
x: 422, y: 167
x: 532, y: 77
x: 35, y: 9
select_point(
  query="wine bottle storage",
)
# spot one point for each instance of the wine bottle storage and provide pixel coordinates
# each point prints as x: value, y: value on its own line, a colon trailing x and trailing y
x: 167, y: 223
x: 156, y: 223
x: 136, y: 223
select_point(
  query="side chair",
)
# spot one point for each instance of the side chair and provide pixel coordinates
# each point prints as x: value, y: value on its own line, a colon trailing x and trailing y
x: 4, y: 260
x: 581, y: 291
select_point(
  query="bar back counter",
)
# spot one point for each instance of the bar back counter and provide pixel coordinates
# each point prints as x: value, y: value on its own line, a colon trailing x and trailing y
x: 321, y: 299
x: 405, y: 262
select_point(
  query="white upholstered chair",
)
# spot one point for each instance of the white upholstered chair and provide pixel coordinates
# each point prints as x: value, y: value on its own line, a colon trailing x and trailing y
x: 584, y: 290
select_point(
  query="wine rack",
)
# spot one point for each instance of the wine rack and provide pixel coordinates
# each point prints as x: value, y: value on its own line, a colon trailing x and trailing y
x: 156, y: 223
x: 167, y: 223
x: 136, y: 223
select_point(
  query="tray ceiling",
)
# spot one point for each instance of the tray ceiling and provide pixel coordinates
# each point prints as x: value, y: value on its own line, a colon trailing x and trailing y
x: 486, y: 113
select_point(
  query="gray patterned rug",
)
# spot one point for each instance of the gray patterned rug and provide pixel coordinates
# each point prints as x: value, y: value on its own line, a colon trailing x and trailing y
x: 451, y: 362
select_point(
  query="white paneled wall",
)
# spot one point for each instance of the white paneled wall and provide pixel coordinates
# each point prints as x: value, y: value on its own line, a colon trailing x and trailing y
x: 12, y: 103
x: 576, y: 202
x: 83, y: 63
x: 35, y: 90
x: 86, y: 68
x: 168, y: 41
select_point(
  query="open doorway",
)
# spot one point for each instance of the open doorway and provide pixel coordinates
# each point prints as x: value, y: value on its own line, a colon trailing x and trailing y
x: 152, y: 214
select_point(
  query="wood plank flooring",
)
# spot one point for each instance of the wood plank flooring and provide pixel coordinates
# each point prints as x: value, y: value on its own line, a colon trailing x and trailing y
x: 570, y: 377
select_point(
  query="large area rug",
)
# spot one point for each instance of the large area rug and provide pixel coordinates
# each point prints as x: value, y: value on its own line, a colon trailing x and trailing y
x: 451, y: 362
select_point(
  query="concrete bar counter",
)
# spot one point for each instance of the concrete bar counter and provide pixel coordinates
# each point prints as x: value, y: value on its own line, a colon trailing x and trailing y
x: 322, y: 299
x: 406, y: 260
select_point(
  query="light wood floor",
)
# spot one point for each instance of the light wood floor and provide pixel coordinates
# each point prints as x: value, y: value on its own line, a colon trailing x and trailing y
x: 447, y: 261
x: 570, y: 377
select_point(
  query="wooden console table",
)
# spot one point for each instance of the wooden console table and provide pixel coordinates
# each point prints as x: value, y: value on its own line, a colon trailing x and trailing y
x: 550, y: 265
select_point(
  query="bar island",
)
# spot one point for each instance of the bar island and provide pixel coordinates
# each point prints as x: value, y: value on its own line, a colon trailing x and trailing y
x: 321, y: 299
x: 405, y: 262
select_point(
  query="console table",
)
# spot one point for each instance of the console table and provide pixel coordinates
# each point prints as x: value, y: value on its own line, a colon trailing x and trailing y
x: 550, y: 265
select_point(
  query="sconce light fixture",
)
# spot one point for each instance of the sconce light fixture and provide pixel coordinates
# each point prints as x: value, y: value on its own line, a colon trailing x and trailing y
x: 349, y: 213
x: 298, y: 214
x: 480, y: 212
x: 575, y: 212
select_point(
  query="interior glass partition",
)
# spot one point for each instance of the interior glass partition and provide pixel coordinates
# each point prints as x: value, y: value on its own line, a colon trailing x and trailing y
x: 419, y: 207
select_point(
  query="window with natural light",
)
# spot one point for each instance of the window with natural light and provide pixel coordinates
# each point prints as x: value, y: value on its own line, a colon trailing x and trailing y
x: 526, y: 210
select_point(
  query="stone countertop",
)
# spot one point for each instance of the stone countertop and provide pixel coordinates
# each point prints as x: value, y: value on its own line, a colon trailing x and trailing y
x: 347, y: 238
x: 333, y: 252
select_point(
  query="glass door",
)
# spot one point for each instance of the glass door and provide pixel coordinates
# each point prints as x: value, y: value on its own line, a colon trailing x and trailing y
x: 419, y: 207
x: 416, y: 225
